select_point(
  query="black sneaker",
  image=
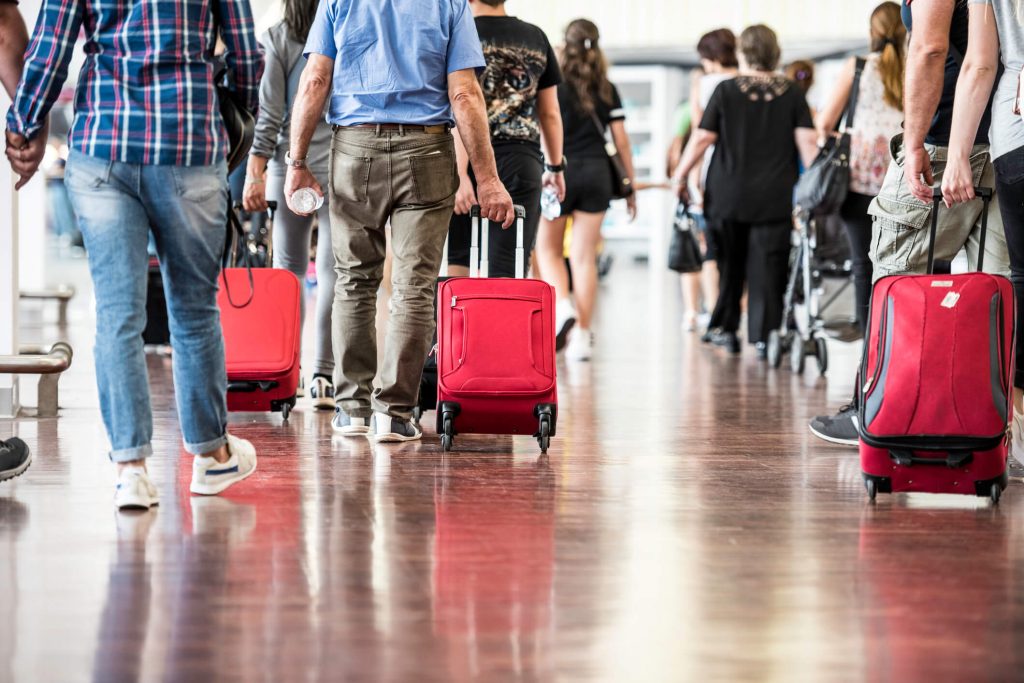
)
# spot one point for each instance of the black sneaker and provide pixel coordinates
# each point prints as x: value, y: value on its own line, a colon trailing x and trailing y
x: 840, y: 428
x: 15, y: 457
x: 728, y: 341
x: 388, y: 429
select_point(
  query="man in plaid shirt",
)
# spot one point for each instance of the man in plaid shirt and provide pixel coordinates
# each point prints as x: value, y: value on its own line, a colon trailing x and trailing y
x: 147, y: 157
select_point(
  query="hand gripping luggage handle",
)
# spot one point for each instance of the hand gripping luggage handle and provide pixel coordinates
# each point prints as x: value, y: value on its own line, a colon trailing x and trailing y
x: 475, y: 245
x: 986, y: 194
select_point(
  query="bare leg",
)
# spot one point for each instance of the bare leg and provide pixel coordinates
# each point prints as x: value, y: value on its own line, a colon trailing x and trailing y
x: 586, y: 234
x: 690, y: 283
x: 709, y: 284
x: 550, y: 262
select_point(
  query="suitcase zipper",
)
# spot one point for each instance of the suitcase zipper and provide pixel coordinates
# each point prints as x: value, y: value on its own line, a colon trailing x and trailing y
x: 456, y: 298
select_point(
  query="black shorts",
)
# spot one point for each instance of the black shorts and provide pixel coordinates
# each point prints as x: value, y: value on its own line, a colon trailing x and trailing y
x: 588, y: 185
x: 521, y: 170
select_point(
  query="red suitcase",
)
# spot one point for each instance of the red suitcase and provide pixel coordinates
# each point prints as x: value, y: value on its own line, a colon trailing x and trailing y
x: 259, y: 314
x: 936, y: 383
x: 496, y: 351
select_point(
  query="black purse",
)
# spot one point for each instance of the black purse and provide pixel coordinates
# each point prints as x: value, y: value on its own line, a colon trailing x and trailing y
x: 239, y: 120
x: 622, y: 186
x: 823, y: 187
x: 684, y: 252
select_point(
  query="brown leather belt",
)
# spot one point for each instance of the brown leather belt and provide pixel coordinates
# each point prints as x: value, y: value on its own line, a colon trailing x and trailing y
x: 439, y: 129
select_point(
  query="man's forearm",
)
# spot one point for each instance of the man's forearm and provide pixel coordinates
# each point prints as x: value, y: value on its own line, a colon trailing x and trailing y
x: 923, y: 89
x: 13, y: 41
x: 307, y: 112
x: 471, y: 120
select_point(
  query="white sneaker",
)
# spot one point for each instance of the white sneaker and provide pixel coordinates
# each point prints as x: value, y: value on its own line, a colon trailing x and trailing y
x: 581, y: 345
x: 210, y: 477
x: 1017, y: 437
x: 134, y: 490
x: 300, y: 391
x: 322, y: 392
x: 565, y: 318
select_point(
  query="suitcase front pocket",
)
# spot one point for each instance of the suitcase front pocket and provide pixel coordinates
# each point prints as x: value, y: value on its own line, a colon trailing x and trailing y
x: 497, y: 345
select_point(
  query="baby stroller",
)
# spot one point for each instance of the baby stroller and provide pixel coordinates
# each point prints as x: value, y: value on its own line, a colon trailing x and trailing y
x: 818, y: 254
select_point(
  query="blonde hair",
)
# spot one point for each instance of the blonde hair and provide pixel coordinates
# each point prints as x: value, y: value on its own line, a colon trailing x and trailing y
x: 889, y: 39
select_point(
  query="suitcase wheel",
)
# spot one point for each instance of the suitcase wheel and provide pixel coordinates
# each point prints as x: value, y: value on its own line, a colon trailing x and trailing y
x: 995, y: 493
x: 446, y: 413
x: 447, y: 433
x: 872, y: 488
x: 286, y: 409
x: 545, y: 413
x: 544, y: 433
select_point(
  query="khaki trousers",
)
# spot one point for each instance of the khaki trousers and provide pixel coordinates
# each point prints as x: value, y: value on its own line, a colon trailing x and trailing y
x: 409, y: 178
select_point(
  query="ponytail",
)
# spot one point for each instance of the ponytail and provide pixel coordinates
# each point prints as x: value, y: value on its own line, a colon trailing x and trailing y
x: 584, y: 65
x: 889, y: 39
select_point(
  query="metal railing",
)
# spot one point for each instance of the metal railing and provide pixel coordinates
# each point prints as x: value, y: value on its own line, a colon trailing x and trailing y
x: 49, y: 365
x: 61, y: 294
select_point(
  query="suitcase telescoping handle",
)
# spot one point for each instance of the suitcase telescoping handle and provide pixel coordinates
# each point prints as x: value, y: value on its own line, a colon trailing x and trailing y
x: 478, y: 253
x: 986, y: 194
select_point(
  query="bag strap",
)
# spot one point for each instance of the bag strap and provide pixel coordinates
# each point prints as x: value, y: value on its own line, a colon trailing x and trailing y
x: 851, y: 102
x: 236, y: 237
x: 603, y: 130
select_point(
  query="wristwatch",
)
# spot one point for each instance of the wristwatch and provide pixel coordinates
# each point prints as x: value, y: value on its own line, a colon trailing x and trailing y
x: 551, y: 168
x: 293, y: 163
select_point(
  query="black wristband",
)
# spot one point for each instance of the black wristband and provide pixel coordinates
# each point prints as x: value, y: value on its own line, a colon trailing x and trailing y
x: 551, y: 168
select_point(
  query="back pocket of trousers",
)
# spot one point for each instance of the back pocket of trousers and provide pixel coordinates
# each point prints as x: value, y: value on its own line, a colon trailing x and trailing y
x: 350, y: 176
x: 434, y: 176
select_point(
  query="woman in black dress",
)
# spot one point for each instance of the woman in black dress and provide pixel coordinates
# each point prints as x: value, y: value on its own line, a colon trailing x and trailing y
x: 760, y: 125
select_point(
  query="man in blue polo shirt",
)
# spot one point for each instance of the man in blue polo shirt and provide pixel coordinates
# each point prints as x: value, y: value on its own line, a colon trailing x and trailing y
x: 399, y: 74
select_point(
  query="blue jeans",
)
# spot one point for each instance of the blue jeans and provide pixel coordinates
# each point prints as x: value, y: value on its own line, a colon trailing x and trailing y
x: 185, y: 207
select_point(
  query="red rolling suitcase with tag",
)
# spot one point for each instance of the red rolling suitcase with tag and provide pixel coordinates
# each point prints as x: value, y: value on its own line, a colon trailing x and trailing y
x: 496, y: 350
x: 936, y: 382
x: 259, y: 314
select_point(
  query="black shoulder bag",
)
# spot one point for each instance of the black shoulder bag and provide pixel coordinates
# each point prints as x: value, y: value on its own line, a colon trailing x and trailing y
x: 823, y: 187
x: 622, y: 186
x: 239, y: 121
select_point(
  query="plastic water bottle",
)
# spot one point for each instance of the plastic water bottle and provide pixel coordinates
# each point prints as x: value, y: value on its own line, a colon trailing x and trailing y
x: 306, y: 200
x: 550, y: 207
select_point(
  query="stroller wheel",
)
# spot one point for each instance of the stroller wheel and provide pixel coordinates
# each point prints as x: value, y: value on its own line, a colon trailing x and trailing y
x: 821, y: 353
x: 774, y: 349
x: 797, y: 355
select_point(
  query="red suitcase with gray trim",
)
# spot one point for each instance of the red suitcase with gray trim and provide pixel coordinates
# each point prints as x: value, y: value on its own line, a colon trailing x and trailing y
x: 936, y: 380
x: 496, y: 350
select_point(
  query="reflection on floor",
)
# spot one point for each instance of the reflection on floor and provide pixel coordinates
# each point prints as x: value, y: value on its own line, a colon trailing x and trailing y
x: 685, y: 527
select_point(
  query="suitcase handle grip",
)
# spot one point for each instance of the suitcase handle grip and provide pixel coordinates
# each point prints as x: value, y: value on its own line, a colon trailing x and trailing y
x: 986, y: 194
x: 954, y: 460
x: 479, y: 253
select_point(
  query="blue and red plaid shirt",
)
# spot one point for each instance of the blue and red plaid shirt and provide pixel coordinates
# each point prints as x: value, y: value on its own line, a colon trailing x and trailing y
x: 146, y: 93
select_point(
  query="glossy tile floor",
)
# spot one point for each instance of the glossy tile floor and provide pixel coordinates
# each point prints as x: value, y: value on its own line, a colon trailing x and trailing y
x: 686, y: 527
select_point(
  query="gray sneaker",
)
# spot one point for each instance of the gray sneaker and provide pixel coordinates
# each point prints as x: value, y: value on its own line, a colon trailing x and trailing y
x: 840, y: 428
x: 388, y: 429
x: 346, y: 425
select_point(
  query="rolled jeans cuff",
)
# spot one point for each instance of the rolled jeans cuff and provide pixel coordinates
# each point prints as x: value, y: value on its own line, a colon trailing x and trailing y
x: 206, y: 446
x: 130, y: 454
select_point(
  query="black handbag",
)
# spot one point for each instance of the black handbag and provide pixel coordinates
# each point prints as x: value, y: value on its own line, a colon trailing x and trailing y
x: 823, y: 187
x: 239, y: 120
x: 684, y: 252
x: 622, y: 186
